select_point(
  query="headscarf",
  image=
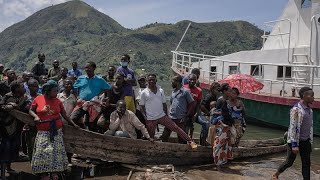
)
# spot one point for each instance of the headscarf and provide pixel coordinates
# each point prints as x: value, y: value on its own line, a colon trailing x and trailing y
x: 49, y: 85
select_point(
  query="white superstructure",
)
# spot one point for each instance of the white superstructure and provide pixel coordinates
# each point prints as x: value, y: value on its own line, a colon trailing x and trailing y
x: 288, y: 60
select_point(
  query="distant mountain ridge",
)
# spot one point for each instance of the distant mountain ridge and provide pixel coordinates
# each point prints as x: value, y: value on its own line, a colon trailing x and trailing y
x: 75, y: 31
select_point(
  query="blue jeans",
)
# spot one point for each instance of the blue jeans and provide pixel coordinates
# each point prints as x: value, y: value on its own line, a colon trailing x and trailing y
x: 204, y: 128
x: 117, y: 133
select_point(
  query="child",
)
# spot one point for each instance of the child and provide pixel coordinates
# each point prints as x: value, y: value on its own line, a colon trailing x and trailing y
x: 215, y: 114
x: 42, y: 80
x: 68, y: 99
x: 64, y: 75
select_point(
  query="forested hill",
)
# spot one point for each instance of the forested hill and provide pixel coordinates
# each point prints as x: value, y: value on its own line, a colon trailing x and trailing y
x: 75, y: 31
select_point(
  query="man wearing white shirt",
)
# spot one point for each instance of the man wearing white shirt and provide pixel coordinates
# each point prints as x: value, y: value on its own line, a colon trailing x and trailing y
x: 154, y: 108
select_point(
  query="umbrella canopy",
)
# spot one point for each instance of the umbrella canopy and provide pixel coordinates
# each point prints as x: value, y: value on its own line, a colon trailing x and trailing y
x: 244, y: 82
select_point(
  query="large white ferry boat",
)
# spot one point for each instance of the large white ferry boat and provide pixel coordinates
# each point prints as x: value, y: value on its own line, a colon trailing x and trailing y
x: 288, y: 60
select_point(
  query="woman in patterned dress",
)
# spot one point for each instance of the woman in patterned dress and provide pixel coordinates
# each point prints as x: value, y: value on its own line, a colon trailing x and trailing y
x: 49, y: 154
x: 222, y: 148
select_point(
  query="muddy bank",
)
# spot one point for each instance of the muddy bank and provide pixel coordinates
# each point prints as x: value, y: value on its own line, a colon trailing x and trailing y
x: 247, y: 169
x: 250, y: 169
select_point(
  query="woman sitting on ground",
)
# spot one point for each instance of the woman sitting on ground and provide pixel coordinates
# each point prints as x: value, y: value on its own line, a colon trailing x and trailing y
x: 49, y: 154
x: 236, y: 108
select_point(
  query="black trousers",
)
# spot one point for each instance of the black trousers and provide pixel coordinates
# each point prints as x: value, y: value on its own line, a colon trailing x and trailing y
x: 305, y: 151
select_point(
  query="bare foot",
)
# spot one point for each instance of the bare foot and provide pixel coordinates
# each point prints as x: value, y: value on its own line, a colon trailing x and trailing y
x: 274, y: 177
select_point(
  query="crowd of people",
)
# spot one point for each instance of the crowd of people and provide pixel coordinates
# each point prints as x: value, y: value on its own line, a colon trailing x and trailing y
x: 114, y: 105
x: 108, y: 104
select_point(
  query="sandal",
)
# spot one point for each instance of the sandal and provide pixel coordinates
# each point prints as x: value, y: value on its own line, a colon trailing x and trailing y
x: 193, y: 145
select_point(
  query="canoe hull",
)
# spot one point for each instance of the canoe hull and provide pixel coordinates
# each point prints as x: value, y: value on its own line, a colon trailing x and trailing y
x: 135, y: 151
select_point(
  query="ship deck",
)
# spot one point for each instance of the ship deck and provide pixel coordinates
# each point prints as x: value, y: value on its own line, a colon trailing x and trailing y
x: 256, y: 96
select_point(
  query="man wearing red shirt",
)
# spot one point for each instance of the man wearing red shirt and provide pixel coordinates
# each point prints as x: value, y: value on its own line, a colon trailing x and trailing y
x: 197, y: 96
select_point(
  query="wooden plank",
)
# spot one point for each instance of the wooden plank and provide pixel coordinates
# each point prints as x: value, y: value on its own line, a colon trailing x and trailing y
x: 262, y: 143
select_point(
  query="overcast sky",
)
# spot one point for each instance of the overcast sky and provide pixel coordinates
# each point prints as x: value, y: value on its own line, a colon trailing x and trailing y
x: 137, y: 13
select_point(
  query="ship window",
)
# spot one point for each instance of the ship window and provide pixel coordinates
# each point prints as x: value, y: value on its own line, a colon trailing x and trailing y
x: 306, y: 3
x: 233, y: 69
x: 213, y: 70
x: 256, y: 70
x: 280, y: 72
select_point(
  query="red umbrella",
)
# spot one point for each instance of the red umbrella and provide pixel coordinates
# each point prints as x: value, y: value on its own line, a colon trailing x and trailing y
x: 244, y: 82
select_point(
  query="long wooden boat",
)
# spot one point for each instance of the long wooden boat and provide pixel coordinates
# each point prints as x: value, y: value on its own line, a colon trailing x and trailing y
x: 131, y: 151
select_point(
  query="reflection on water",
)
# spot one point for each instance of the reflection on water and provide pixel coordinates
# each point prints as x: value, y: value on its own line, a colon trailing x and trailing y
x: 258, y: 132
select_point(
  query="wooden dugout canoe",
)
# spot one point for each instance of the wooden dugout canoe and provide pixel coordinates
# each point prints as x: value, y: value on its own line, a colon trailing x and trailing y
x: 131, y: 151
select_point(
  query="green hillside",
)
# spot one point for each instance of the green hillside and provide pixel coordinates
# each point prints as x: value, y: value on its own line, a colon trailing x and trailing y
x: 74, y: 31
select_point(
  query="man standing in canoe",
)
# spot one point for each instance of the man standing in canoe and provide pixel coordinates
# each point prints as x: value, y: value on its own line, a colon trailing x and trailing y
x: 300, y: 134
x: 130, y: 81
x: 197, y: 96
x: 182, y: 106
x: 154, y: 108
x: 89, y: 87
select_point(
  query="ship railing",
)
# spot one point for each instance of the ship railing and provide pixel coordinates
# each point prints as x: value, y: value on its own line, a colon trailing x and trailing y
x: 288, y: 33
x: 184, y: 62
x: 313, y: 24
x: 187, y: 59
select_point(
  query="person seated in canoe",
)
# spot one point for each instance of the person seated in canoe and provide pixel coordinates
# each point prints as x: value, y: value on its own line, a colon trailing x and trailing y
x: 182, y: 107
x: 123, y: 123
x: 109, y: 103
x: 237, y: 110
x: 10, y: 127
x: 89, y: 87
x: 154, y: 109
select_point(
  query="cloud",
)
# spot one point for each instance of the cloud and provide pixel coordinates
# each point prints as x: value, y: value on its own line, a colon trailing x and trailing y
x: 24, y: 8
x: 15, y: 8
x: 12, y: 11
